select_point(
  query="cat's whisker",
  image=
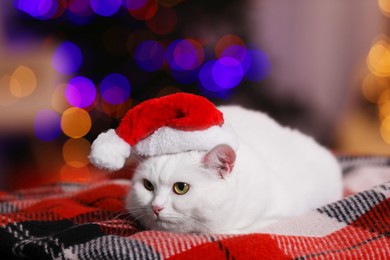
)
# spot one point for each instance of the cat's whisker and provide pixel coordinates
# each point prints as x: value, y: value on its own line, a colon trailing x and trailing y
x: 198, y: 225
x: 129, y: 220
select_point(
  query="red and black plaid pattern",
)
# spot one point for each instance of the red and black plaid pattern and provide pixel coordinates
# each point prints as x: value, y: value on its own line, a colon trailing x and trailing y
x: 70, y: 221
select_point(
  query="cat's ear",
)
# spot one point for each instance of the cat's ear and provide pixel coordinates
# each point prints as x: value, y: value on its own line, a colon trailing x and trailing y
x: 221, y: 159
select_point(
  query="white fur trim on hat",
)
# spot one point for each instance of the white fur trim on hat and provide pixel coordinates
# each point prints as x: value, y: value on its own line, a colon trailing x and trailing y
x: 109, y: 151
x: 167, y: 140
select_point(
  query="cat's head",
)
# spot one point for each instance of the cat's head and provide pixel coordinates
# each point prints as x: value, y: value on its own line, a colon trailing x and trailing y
x: 183, y: 192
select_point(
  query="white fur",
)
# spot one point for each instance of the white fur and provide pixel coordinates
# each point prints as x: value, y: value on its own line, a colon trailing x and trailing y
x: 278, y: 173
x: 167, y: 140
x: 109, y: 151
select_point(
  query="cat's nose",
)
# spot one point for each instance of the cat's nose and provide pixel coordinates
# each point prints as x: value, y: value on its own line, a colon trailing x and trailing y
x: 157, y: 209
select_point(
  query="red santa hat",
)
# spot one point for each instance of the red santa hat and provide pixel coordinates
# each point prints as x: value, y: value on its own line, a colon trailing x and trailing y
x: 167, y: 125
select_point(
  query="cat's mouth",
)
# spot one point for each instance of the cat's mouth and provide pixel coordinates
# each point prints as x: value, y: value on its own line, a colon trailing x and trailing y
x: 163, y: 224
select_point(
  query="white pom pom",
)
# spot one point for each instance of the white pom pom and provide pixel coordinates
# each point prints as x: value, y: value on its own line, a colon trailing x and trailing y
x: 109, y: 151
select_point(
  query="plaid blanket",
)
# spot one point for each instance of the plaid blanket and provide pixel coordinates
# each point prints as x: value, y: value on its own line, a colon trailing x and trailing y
x: 72, y: 221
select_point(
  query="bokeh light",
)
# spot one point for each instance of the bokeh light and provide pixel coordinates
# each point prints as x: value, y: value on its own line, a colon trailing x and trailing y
x: 80, y: 7
x: 384, y: 110
x: 47, y: 125
x: 6, y: 98
x: 163, y: 22
x: 42, y: 9
x: 75, y: 152
x: 260, y: 66
x: 206, y: 77
x: 378, y: 60
x: 115, y: 88
x: 187, y: 54
x: 58, y: 98
x: 23, y: 82
x: 145, y: 11
x: 149, y: 55
x: 80, y: 92
x: 105, y: 7
x: 67, y: 58
x: 80, y: 16
x: 384, y: 97
x: 385, y: 7
x: 75, y: 122
x: 80, y: 12
x: 169, y: 55
x: 385, y: 129
x: 221, y: 75
x: 240, y: 54
x: 226, y: 41
x: 134, y: 4
x: 227, y: 73
x: 373, y: 87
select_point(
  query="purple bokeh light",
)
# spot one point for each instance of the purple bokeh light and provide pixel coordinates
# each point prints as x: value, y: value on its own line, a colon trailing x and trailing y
x: 80, y: 92
x: 206, y: 77
x: 260, y: 67
x: 184, y: 55
x: 47, y: 125
x: 227, y: 72
x: 169, y: 55
x: 134, y: 4
x: 80, y: 7
x: 149, y: 55
x: 40, y: 9
x: 240, y: 54
x: 67, y: 58
x: 222, y: 74
x: 105, y: 7
x: 115, y: 88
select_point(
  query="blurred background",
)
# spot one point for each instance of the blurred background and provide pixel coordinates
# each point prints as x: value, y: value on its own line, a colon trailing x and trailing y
x: 70, y: 69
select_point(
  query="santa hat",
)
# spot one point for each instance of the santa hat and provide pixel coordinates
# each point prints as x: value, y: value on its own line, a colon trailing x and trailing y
x: 167, y: 125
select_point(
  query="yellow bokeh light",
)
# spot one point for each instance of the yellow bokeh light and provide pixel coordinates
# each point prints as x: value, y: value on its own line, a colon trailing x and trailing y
x: 75, y: 152
x: 378, y: 60
x: 385, y: 129
x: 23, y: 82
x: 384, y: 110
x: 385, y: 7
x: 384, y: 97
x: 58, y: 99
x: 75, y: 122
x: 373, y: 87
x: 6, y: 99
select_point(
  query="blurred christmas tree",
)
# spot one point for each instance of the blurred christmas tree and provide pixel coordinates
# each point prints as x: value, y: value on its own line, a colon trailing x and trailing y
x: 108, y: 55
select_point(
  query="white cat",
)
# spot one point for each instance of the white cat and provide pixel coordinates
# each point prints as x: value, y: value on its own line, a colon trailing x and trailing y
x: 277, y: 172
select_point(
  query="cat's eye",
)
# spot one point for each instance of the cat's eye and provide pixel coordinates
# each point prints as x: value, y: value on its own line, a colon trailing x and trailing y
x: 148, y: 185
x: 181, y: 188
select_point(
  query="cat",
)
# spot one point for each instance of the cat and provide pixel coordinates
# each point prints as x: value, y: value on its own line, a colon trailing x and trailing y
x: 276, y: 172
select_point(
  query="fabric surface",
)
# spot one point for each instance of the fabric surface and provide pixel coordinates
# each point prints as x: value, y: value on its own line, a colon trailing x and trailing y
x: 70, y: 221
